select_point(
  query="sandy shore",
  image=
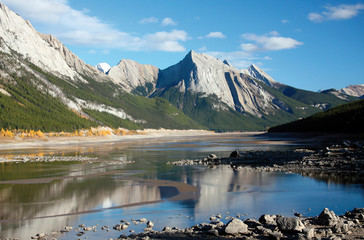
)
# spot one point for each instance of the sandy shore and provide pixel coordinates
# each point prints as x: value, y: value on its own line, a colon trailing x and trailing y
x: 47, y: 141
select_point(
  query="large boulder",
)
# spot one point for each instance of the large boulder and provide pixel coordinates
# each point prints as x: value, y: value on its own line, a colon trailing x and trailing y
x: 289, y: 224
x: 268, y: 219
x: 235, y: 227
x: 327, y: 218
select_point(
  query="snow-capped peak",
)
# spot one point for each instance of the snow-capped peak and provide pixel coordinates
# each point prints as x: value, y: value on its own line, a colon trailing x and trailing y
x: 103, y: 67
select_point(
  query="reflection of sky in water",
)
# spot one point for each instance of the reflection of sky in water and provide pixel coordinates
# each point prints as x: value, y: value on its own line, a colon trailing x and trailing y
x: 148, y: 188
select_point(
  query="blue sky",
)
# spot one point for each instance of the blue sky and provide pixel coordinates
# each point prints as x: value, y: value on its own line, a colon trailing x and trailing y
x: 307, y: 44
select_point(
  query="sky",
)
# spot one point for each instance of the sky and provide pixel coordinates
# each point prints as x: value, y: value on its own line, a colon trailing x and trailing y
x: 307, y: 44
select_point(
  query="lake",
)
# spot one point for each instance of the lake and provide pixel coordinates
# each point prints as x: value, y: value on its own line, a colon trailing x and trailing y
x: 132, y: 180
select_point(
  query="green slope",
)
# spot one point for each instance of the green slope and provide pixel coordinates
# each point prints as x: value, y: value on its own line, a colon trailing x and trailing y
x: 347, y: 118
x: 203, y: 110
x: 312, y: 98
x: 30, y: 108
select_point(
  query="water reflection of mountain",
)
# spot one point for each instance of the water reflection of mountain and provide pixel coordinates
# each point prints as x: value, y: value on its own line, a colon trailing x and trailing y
x: 220, y: 187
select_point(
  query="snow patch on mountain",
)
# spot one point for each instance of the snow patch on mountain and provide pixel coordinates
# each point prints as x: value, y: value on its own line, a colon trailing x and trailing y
x: 104, y: 108
x: 103, y: 67
x: 4, y: 92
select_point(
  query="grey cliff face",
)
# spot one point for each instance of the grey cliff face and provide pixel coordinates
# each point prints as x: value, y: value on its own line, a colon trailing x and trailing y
x: 200, y: 73
x: 257, y: 73
x: 131, y: 75
x: 353, y: 90
x: 45, y: 51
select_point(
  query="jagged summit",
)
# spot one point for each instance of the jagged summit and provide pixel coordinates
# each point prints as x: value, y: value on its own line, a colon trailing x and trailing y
x: 257, y: 73
x: 199, y: 73
x: 43, y: 50
x: 353, y: 90
x: 136, y: 77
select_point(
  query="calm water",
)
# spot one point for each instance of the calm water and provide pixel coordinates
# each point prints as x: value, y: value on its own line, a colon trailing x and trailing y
x: 102, y: 194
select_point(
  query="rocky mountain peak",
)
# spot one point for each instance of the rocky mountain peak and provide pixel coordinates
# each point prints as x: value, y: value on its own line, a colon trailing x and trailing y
x: 133, y: 76
x: 43, y: 50
x: 353, y: 90
x: 199, y: 73
x: 257, y: 73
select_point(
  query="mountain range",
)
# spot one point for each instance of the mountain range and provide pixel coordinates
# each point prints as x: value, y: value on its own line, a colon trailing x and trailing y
x: 43, y: 85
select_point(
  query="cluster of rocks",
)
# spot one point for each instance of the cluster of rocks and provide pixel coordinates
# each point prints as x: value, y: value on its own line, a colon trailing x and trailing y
x: 82, y: 229
x: 325, y: 226
x: 26, y: 159
x: 48, y: 159
x: 347, y: 157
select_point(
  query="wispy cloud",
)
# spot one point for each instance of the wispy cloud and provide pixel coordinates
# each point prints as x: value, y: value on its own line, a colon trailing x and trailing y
x: 268, y: 42
x: 215, y: 35
x: 149, y: 20
x: 254, y: 46
x: 168, y: 22
x: 340, y: 12
x: 78, y: 27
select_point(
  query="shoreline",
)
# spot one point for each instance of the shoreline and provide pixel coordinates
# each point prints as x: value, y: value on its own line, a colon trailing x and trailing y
x: 345, y: 158
x: 52, y: 141
x: 327, y: 225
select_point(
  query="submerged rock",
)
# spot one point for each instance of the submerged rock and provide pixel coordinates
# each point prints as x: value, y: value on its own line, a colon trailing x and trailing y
x: 234, y: 154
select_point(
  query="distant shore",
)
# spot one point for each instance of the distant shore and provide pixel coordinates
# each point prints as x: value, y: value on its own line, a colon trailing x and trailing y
x: 49, y: 141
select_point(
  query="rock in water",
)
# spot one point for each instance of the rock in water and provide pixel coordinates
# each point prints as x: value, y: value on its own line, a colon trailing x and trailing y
x: 234, y: 154
x: 236, y: 226
x: 327, y: 218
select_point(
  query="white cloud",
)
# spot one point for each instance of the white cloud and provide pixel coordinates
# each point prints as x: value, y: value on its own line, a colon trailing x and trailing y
x: 167, y: 41
x: 149, y: 20
x: 268, y: 42
x: 215, y: 35
x: 271, y: 41
x: 315, y: 17
x: 78, y: 27
x: 168, y: 22
x: 284, y: 21
x: 340, y: 12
